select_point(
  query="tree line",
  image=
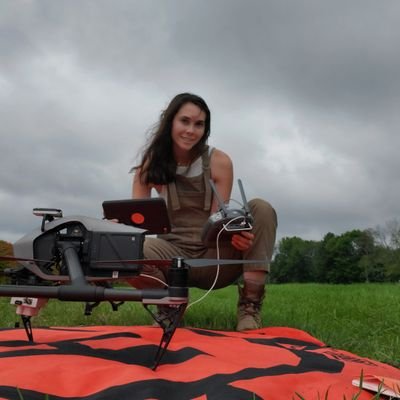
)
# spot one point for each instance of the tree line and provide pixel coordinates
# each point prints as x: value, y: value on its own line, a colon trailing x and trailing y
x: 6, y: 249
x: 371, y: 255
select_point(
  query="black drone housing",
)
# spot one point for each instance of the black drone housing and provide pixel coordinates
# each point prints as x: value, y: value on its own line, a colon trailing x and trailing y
x: 226, y: 221
x: 94, y: 239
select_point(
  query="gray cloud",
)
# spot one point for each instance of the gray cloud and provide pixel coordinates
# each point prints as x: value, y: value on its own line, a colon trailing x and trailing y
x: 303, y: 94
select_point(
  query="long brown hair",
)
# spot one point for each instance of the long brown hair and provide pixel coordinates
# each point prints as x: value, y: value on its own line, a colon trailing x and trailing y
x: 158, y: 165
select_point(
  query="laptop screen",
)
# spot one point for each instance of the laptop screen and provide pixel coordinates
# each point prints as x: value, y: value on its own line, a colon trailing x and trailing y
x: 150, y: 214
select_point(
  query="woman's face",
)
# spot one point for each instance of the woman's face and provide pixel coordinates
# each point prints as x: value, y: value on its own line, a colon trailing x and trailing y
x: 187, y: 128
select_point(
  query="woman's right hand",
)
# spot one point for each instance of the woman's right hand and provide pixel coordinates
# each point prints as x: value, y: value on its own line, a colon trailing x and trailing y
x: 242, y: 241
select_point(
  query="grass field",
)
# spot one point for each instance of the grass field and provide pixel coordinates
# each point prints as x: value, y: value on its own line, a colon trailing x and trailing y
x: 361, y: 318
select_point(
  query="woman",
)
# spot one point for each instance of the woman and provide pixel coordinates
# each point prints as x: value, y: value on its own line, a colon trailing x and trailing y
x: 177, y: 163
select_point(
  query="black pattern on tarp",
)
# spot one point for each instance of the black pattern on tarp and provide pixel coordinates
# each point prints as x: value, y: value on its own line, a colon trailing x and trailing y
x: 214, y: 387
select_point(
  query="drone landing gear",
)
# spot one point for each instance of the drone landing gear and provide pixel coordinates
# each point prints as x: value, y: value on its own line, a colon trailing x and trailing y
x: 26, y: 320
x: 89, y: 306
x: 28, y: 307
x: 169, y: 320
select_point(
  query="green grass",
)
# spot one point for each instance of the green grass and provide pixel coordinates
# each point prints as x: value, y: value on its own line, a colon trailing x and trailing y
x: 361, y: 318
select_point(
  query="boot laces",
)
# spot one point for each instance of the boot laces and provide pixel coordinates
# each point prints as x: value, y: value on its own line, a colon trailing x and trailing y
x: 250, y: 307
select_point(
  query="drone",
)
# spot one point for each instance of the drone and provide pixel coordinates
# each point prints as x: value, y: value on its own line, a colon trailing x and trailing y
x: 77, y: 258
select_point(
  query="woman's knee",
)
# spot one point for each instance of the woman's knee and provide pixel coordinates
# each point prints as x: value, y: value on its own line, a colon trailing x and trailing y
x: 262, y: 210
x: 155, y: 248
x: 150, y: 247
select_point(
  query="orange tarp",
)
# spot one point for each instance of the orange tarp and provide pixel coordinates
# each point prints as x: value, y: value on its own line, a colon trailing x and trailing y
x: 108, y: 362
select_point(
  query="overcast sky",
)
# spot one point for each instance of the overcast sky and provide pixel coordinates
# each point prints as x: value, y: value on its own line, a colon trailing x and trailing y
x: 304, y: 97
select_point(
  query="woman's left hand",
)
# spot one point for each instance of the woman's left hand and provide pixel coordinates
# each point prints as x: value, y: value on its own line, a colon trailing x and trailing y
x: 242, y: 241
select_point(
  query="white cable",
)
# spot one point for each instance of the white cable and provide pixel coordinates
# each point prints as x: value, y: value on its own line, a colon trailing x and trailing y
x: 153, y: 277
x: 237, y: 202
x: 242, y: 228
x: 224, y: 228
x: 216, y: 275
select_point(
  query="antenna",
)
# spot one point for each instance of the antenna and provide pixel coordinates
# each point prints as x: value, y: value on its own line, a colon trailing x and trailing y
x: 220, y: 202
x: 245, y: 204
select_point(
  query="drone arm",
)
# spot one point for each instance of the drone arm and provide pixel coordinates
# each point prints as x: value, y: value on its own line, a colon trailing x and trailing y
x: 95, y: 293
x: 81, y: 290
x: 73, y: 264
x: 29, y: 291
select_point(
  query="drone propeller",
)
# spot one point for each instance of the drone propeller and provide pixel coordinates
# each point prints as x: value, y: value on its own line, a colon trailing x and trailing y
x: 11, y: 258
x: 194, y: 263
x: 207, y: 262
x: 35, y: 269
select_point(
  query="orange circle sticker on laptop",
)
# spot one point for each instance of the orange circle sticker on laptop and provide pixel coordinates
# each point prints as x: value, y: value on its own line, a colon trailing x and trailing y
x: 137, y: 218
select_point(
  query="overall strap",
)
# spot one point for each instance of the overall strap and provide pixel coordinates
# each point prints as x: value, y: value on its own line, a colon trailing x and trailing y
x: 173, y: 197
x: 207, y: 176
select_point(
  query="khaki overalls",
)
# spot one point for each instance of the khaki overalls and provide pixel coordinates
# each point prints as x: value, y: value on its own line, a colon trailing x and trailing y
x: 189, y: 202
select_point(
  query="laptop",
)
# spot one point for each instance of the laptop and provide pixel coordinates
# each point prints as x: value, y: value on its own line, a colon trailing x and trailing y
x: 150, y: 214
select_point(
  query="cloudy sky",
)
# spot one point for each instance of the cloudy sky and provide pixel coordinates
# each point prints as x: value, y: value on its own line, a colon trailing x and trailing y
x: 304, y: 96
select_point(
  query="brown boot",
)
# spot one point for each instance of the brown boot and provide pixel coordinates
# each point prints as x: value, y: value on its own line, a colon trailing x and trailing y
x: 249, y: 306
